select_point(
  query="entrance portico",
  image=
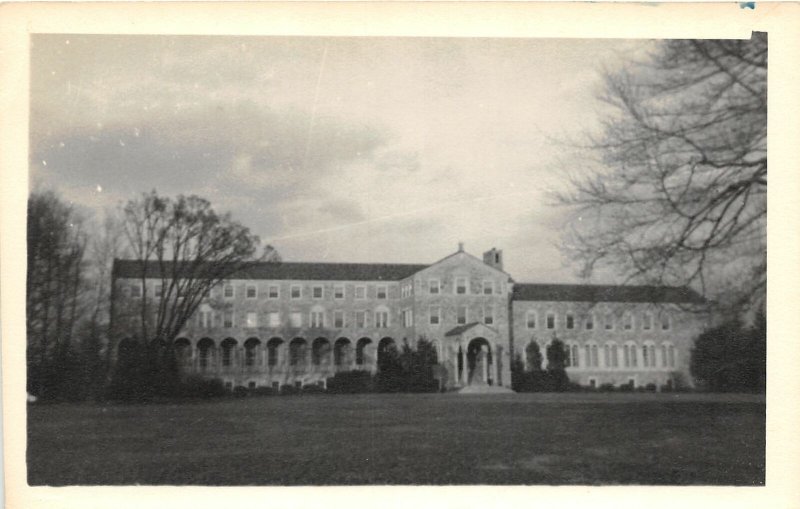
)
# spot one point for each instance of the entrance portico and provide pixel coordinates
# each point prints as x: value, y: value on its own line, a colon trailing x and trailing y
x: 472, y: 355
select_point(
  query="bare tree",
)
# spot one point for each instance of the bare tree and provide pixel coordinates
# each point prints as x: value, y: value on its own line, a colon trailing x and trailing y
x: 54, y: 288
x: 188, y: 249
x: 675, y: 186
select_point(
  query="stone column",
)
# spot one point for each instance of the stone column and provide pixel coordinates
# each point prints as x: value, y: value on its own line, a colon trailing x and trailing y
x: 493, y: 367
x: 464, y: 367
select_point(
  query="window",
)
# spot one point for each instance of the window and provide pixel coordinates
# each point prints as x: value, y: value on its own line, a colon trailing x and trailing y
x: 207, y: 319
x: 626, y: 354
x: 627, y: 321
x: 381, y: 319
x: 647, y: 321
x: 488, y: 287
x: 570, y: 321
x: 433, y: 286
x: 634, y: 357
x: 274, y: 319
x: 408, y: 318
x: 406, y: 290
x: 382, y: 293
x: 551, y: 321
x: 591, y: 356
x: 338, y: 319
x: 338, y: 292
x: 296, y: 319
x: 251, y: 292
x: 645, y: 356
x: 252, y: 319
x: 461, y: 318
x: 227, y: 291
x: 461, y: 286
x: 136, y: 291
x: 316, y: 292
x: 273, y: 291
x: 652, y: 355
x: 295, y: 291
x: 157, y: 290
x: 609, y: 323
x: 572, y: 356
x: 361, y: 292
x: 671, y: 352
x: 530, y: 319
x: 665, y: 322
x: 227, y: 320
x: 361, y: 319
x: 607, y: 356
x: 488, y: 315
x: 435, y: 315
x: 663, y: 356
x: 614, y: 356
x: 589, y: 322
x: 595, y: 360
x: 317, y: 318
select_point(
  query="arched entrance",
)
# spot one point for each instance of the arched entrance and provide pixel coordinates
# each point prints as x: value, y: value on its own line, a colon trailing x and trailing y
x: 479, y: 362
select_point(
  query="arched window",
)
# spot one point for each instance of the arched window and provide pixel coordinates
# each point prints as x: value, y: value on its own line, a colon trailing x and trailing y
x: 205, y: 349
x: 251, y: 351
x: 341, y: 352
x: 228, y: 352
x: 361, y: 345
x: 183, y: 352
x: 297, y: 352
x: 320, y: 350
x: 273, y: 346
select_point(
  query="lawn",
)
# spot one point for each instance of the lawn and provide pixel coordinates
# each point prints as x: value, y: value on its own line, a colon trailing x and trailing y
x: 404, y: 439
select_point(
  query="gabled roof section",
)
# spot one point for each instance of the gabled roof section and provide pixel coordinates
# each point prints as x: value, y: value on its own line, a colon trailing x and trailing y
x: 606, y: 293
x: 471, y: 257
x: 292, y: 270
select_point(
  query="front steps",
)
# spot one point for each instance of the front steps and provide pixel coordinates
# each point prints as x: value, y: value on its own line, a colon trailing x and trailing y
x: 485, y: 389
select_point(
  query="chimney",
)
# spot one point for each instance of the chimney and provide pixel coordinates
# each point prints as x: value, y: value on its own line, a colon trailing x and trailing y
x: 494, y: 258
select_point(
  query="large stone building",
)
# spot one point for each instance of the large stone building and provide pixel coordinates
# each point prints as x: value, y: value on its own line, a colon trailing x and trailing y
x: 278, y: 323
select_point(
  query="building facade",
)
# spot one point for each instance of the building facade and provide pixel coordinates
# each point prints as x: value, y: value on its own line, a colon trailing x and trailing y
x: 281, y: 323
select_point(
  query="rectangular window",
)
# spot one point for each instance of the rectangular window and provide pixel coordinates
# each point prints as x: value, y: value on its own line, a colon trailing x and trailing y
x: 295, y: 291
x: 251, y: 292
x: 338, y: 319
x: 435, y: 315
x: 461, y: 317
x: 614, y: 356
x: 317, y: 319
x: 296, y: 319
x: 634, y: 357
x: 227, y: 291
x: 381, y: 319
x: 461, y: 286
x: 361, y: 319
x: 627, y: 321
x: 408, y: 318
x: 590, y: 322
x: 626, y: 354
x: 488, y: 287
x: 338, y: 292
x: 361, y: 292
x: 136, y: 291
x: 382, y: 293
x: 570, y: 321
x: 273, y: 291
x: 609, y: 323
x: 488, y: 315
x: 665, y: 322
x: 206, y: 319
x: 316, y: 292
x: 530, y: 319
x: 647, y: 321
x: 227, y: 319
x: 252, y: 319
x: 551, y: 321
x: 158, y: 290
x: 433, y: 286
x: 274, y: 319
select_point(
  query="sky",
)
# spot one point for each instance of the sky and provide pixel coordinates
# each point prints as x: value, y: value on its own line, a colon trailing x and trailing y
x: 330, y: 149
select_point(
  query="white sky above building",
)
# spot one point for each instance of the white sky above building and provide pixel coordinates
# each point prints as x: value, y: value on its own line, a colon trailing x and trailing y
x: 331, y: 149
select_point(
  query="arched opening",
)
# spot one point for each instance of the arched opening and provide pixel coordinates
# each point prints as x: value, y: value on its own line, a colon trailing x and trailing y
x: 183, y: 352
x: 361, y: 354
x: 479, y: 362
x: 341, y: 352
x: 205, y: 350
x: 320, y: 352
x: 297, y: 352
x: 273, y: 351
x: 228, y: 347
x: 387, y: 353
x: 251, y: 347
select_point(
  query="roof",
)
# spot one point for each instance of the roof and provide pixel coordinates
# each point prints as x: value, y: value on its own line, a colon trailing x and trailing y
x: 605, y: 293
x: 292, y: 270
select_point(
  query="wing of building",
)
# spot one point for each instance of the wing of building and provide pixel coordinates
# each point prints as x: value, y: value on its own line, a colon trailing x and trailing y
x: 278, y: 323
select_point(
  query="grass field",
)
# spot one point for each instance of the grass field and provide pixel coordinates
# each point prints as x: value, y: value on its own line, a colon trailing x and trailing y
x: 404, y: 439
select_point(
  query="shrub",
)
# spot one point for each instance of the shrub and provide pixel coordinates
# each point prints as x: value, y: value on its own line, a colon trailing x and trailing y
x: 240, y: 391
x: 350, y: 382
x: 262, y: 391
x: 607, y: 388
x: 199, y: 387
x: 313, y: 389
x: 650, y: 387
x: 289, y: 390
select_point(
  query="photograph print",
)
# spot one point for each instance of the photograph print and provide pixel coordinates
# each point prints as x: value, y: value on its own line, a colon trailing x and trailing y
x: 297, y: 260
